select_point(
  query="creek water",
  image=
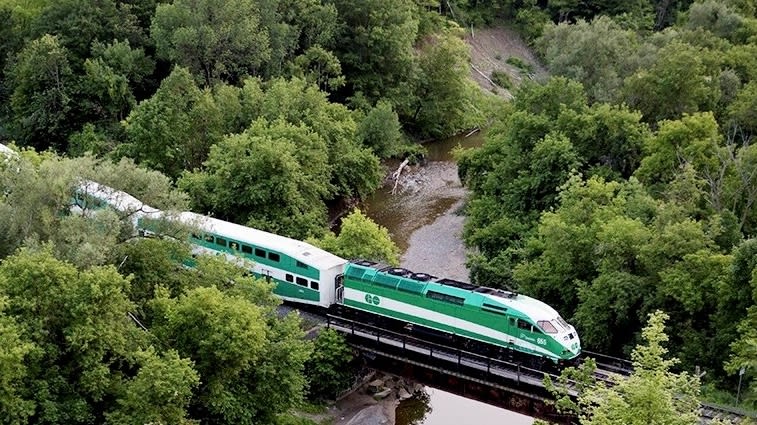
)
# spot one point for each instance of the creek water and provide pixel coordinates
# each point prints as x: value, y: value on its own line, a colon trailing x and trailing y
x: 424, y: 215
x: 439, y: 407
x: 424, y: 218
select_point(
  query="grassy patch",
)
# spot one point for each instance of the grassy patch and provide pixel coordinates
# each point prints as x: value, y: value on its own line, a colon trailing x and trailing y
x: 519, y: 63
x: 312, y: 408
x: 711, y: 394
x: 502, y: 79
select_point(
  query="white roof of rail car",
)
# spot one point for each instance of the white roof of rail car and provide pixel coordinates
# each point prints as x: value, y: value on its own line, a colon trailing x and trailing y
x: 533, y: 308
x: 7, y: 151
x: 298, y: 250
x: 117, y: 199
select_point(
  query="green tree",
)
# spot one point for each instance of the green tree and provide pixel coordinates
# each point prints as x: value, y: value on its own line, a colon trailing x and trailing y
x: 159, y: 393
x: 215, y: 39
x: 42, y: 84
x: 355, y: 171
x: 444, y: 98
x: 78, y: 323
x: 651, y: 394
x: 529, y: 153
x: 724, y: 166
x: 613, y: 49
x: 381, y: 131
x: 360, y: 237
x: 741, y: 113
x: 744, y: 354
x: 320, y: 67
x: 14, y: 353
x: 78, y: 24
x: 250, y: 363
x: 717, y: 17
x: 298, y: 28
x: 680, y: 80
x: 153, y: 263
x: 327, y: 369
x: 376, y: 48
x: 112, y: 75
x: 274, y: 176
x: 173, y: 130
x: 742, y: 296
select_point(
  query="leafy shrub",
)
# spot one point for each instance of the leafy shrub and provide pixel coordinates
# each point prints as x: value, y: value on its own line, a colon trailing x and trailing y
x: 502, y: 79
x: 520, y: 64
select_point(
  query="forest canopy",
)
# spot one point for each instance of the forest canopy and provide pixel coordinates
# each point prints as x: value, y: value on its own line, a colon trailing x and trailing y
x: 622, y: 184
x: 625, y: 183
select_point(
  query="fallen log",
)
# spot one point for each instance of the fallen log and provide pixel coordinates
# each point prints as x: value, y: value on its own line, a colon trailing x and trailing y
x: 397, y: 173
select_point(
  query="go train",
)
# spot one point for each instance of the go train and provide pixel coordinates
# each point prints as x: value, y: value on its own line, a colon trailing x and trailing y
x: 305, y: 274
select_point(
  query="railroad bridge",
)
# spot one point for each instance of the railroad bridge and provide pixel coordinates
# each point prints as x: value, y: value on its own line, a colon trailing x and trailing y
x: 497, y: 382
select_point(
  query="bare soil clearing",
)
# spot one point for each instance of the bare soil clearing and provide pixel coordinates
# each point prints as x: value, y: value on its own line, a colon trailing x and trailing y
x: 490, y: 48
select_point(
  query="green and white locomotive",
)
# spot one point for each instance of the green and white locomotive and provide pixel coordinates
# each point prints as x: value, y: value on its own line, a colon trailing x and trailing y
x: 492, y: 316
x: 305, y: 274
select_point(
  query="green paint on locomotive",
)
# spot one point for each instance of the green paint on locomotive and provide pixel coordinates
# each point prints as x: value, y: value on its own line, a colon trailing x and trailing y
x: 474, y: 315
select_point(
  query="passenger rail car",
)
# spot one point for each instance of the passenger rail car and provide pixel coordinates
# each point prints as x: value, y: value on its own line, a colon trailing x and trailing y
x: 302, y: 272
x: 89, y: 197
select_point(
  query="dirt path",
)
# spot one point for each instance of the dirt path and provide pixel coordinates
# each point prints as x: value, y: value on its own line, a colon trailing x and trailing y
x: 490, y: 49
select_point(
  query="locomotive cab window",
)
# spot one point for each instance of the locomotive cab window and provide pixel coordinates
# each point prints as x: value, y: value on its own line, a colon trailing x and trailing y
x: 547, y: 326
x: 522, y: 324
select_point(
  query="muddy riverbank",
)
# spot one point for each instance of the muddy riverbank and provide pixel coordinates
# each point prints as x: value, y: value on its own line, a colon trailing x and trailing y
x: 424, y: 215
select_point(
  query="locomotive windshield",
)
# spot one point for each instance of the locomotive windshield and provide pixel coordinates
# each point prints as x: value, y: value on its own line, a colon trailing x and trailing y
x: 547, y: 326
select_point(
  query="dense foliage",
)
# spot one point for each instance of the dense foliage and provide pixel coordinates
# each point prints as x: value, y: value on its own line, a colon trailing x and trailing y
x: 626, y: 182
x: 652, y: 394
x: 97, y: 326
x: 359, y: 237
x: 163, y: 82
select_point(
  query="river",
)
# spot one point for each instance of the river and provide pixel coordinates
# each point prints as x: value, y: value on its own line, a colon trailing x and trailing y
x: 425, y: 220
